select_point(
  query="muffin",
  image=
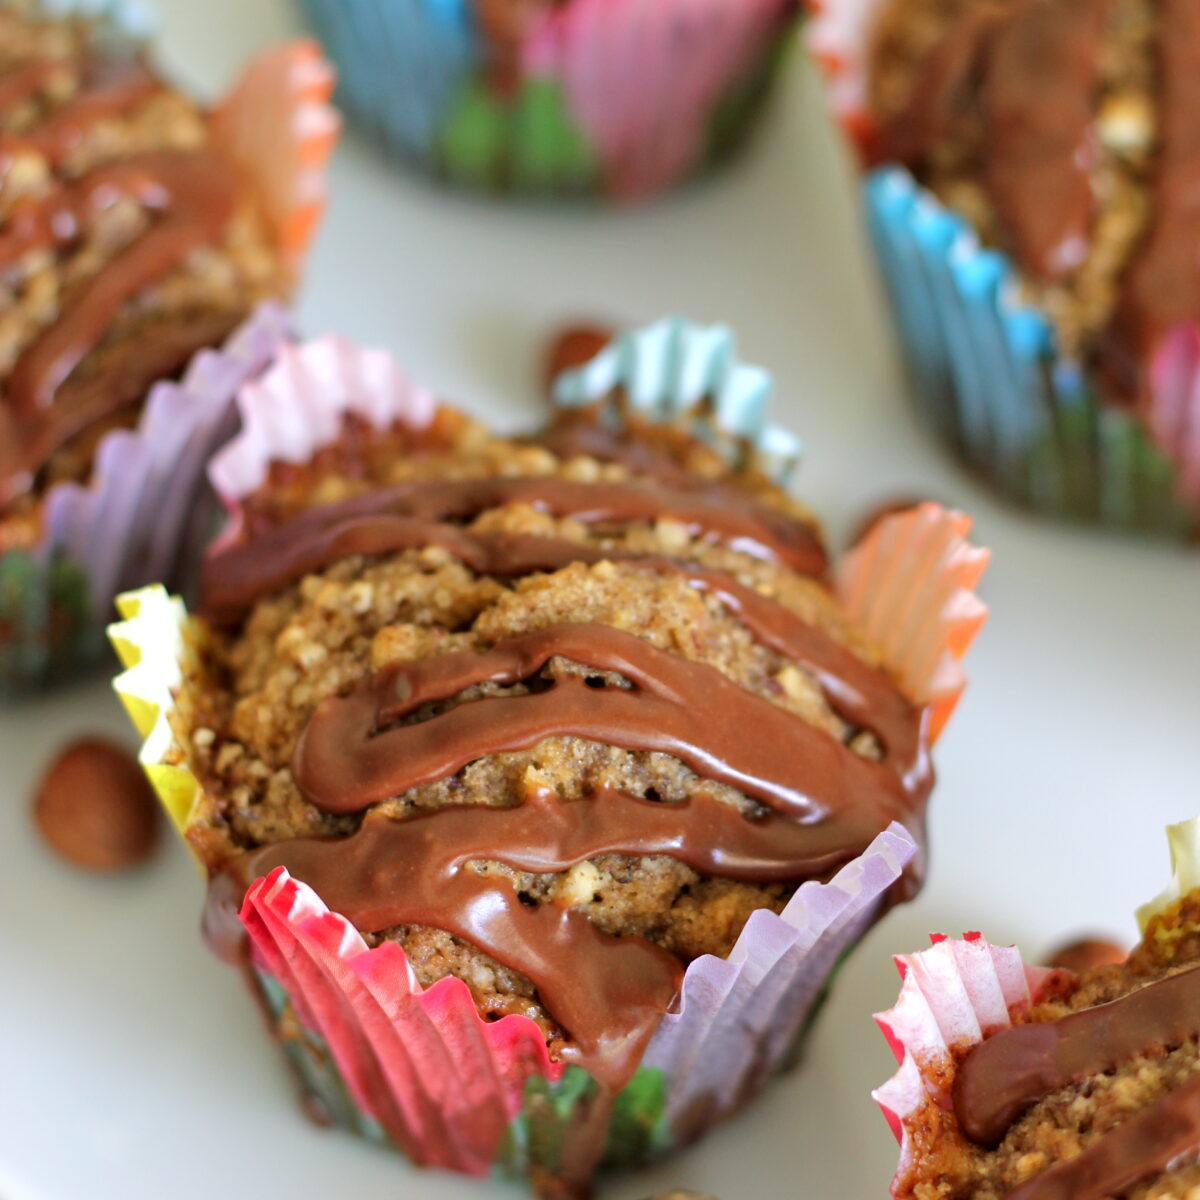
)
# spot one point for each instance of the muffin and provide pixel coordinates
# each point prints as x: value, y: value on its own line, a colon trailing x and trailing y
x: 609, y: 98
x: 539, y: 946
x: 136, y: 229
x: 1033, y: 1083
x: 1027, y: 190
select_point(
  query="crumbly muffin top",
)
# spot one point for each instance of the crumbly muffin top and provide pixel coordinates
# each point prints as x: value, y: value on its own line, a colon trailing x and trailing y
x: 1064, y: 133
x: 604, y: 698
x: 1094, y: 1094
x: 127, y: 242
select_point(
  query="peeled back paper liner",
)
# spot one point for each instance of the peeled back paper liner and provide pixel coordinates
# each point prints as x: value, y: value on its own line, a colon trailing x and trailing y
x: 417, y: 1068
x: 612, y: 97
x: 988, y: 373
x: 140, y: 516
x: 960, y: 992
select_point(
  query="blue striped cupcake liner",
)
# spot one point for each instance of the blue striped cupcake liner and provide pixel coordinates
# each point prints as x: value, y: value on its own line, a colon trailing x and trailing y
x: 990, y: 379
x: 682, y: 373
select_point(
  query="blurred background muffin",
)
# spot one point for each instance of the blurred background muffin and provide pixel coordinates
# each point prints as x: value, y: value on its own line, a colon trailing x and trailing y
x: 611, y: 98
x: 1030, y: 190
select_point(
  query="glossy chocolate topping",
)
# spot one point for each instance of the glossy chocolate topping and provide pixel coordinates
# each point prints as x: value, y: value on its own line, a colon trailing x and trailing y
x: 1123, y: 1157
x: 399, y: 517
x: 191, y: 198
x: 354, y: 753
x: 1007, y: 1073
x: 824, y: 802
x: 1163, y: 282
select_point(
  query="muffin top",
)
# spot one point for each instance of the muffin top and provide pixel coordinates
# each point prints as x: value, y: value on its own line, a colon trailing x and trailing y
x: 128, y: 240
x: 1064, y: 132
x: 1094, y: 1093
x: 556, y: 716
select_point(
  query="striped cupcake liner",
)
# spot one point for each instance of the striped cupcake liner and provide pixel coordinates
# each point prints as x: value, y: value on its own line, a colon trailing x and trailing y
x: 607, y: 97
x: 417, y: 1068
x: 144, y: 513
x: 990, y: 380
x: 958, y: 993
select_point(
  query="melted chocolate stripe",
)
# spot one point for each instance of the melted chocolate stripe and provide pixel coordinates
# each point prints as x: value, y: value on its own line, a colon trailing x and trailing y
x: 1127, y: 1155
x: 346, y: 759
x: 708, y: 510
x: 1038, y: 101
x: 860, y: 695
x: 607, y: 993
x: 1007, y: 1073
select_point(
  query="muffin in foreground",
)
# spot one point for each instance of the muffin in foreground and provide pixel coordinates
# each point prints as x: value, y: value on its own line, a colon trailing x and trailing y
x: 1029, y: 184
x: 136, y: 229
x: 542, y: 784
x: 608, y: 98
x: 1039, y: 1084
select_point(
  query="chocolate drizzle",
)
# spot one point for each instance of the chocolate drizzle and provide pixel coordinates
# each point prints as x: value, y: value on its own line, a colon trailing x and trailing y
x: 819, y: 804
x: 1126, y: 1156
x: 1007, y: 1073
x: 353, y: 753
x: 191, y: 198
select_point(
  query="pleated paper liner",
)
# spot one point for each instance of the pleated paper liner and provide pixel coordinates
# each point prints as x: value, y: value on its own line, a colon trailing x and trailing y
x: 987, y: 372
x: 960, y: 992
x: 416, y: 1067
x: 613, y: 98
x: 135, y: 520
x: 141, y: 515
x: 989, y: 379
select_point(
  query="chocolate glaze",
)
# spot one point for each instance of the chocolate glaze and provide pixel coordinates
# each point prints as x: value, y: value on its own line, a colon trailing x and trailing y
x: 1162, y: 286
x: 1007, y: 1073
x: 860, y: 695
x: 1037, y: 101
x: 319, y: 536
x: 353, y: 754
x: 1123, y: 1157
x: 191, y: 196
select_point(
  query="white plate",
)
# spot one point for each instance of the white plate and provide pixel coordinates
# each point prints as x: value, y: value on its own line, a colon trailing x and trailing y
x: 133, y: 1066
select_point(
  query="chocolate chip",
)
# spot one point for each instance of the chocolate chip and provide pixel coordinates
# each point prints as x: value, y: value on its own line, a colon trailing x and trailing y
x: 95, y: 807
x: 574, y: 346
x: 1086, y: 954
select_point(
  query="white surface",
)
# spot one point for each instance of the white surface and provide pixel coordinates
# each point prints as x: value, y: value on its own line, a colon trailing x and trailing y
x: 133, y: 1066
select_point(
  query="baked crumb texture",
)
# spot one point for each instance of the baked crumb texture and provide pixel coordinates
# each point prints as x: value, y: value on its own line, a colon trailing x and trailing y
x: 128, y: 241
x: 479, y: 544
x: 1105, y: 1109
x: 1063, y: 132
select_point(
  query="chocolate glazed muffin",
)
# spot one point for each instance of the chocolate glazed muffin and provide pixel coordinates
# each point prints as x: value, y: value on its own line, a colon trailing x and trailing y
x: 555, y: 717
x: 128, y: 241
x: 1065, y: 132
x: 1092, y: 1093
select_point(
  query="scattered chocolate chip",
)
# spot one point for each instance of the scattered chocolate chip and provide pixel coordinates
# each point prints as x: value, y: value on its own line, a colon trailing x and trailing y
x: 1085, y: 954
x: 95, y: 807
x: 887, y: 508
x: 574, y: 346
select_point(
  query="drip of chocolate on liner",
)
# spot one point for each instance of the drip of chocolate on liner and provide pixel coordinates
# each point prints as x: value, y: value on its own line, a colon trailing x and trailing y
x: 353, y: 754
x: 861, y: 695
x: 1121, y: 1158
x: 1012, y: 1070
